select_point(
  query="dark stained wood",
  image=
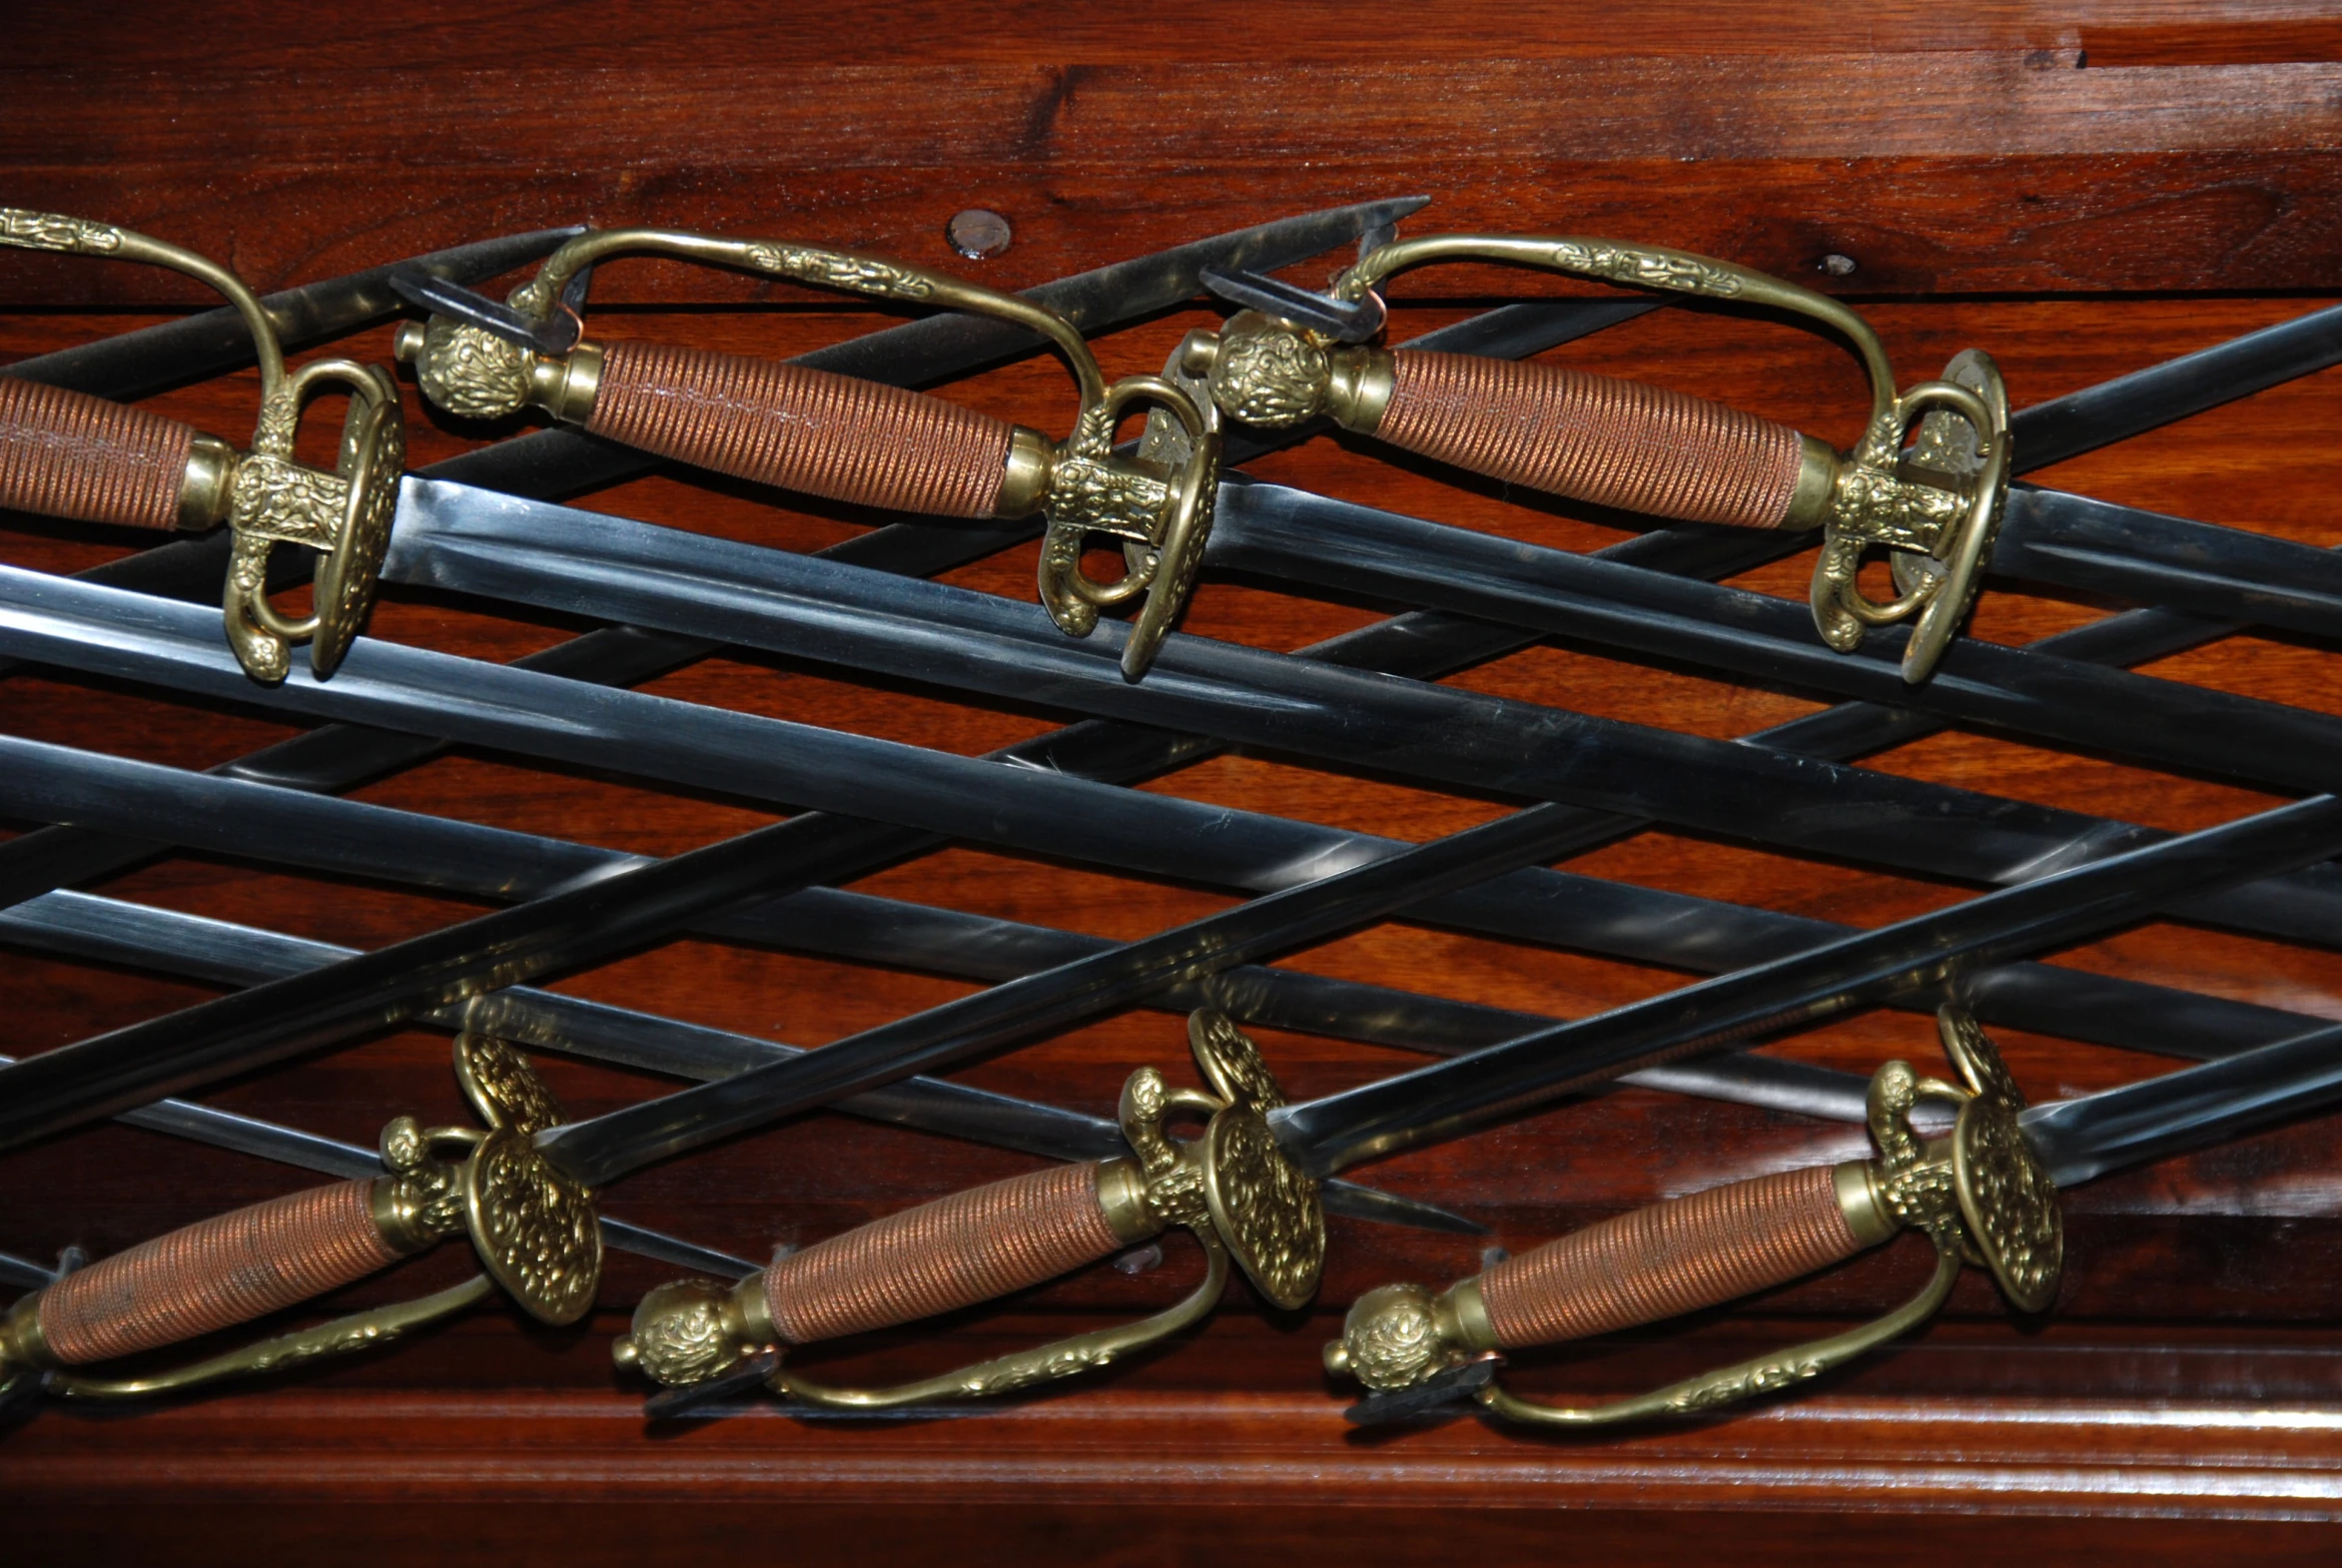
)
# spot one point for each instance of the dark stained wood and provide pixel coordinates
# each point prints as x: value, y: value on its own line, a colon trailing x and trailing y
x: 2083, y: 193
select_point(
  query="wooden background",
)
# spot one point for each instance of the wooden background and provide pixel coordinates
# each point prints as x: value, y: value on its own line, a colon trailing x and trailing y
x: 2081, y: 190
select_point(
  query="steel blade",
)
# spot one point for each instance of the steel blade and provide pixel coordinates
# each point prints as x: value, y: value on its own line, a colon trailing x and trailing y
x: 131, y: 364
x: 109, y: 931
x: 1247, y: 851
x: 1452, y: 1098
x: 2161, y: 393
x: 2082, y: 1138
x: 2176, y: 562
x: 536, y: 554
x: 608, y: 1147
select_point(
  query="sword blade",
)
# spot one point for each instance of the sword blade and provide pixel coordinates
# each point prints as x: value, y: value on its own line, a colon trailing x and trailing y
x: 1452, y: 1098
x: 2082, y: 1138
x: 591, y: 564
x: 1241, y: 850
x: 109, y: 931
x: 131, y: 364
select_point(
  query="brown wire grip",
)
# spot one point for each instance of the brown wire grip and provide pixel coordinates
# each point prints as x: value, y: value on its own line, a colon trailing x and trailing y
x: 1626, y: 444
x: 69, y: 455
x: 1230, y: 1187
x: 535, y: 1232
x: 1977, y: 1192
x: 855, y: 440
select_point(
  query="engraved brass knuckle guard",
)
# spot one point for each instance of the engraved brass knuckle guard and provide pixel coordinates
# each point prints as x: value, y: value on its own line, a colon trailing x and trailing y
x: 1977, y: 1192
x: 537, y: 1234
x: 1231, y: 1189
x: 265, y: 496
x: 1935, y: 514
x: 1159, y: 512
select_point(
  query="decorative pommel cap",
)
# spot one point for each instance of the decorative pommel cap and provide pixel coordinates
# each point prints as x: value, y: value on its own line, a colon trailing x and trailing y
x: 1396, y: 1337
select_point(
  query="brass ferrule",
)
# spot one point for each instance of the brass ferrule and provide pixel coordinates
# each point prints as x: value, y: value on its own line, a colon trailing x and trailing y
x: 1031, y: 469
x: 1864, y: 1206
x: 204, y: 493
x: 748, y: 1315
x: 1463, y: 1314
x: 396, y: 1205
x: 21, y: 1340
x: 1817, y: 487
x: 1122, y: 1197
x: 565, y: 387
x: 1358, y: 387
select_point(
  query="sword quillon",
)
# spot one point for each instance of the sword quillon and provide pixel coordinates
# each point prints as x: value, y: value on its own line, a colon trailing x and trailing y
x: 1977, y: 1192
x: 1229, y: 1188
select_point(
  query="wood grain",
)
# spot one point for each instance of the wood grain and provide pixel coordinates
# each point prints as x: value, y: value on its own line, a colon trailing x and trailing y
x: 2081, y: 193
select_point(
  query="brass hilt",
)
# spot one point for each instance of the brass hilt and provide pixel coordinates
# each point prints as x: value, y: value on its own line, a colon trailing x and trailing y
x: 69, y: 455
x: 1627, y: 444
x: 854, y: 441
x: 1977, y: 1192
x: 1230, y: 1189
x: 535, y: 1232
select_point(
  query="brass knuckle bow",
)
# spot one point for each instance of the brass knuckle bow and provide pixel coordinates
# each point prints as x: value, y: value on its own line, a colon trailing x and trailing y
x: 1160, y: 511
x: 1977, y: 1192
x: 1936, y: 512
x: 1231, y: 1189
x: 263, y: 495
x: 536, y: 1231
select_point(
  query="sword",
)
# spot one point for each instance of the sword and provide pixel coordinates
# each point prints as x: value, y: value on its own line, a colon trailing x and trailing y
x: 1292, y: 354
x: 836, y: 437
x: 69, y: 455
x: 978, y: 1245
x: 535, y: 1232
x: 134, y: 363
x: 1986, y: 1190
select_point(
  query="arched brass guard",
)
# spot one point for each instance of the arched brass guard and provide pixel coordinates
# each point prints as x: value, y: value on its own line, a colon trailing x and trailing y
x: 1936, y: 519
x: 1746, y: 1379
x: 360, y: 1331
x: 1065, y: 1358
x: 1162, y: 525
x: 266, y: 496
x: 345, y: 516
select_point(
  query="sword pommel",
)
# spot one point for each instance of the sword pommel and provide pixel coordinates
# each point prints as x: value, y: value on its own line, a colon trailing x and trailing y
x: 535, y: 1234
x: 1977, y: 1192
x: 1230, y: 1187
